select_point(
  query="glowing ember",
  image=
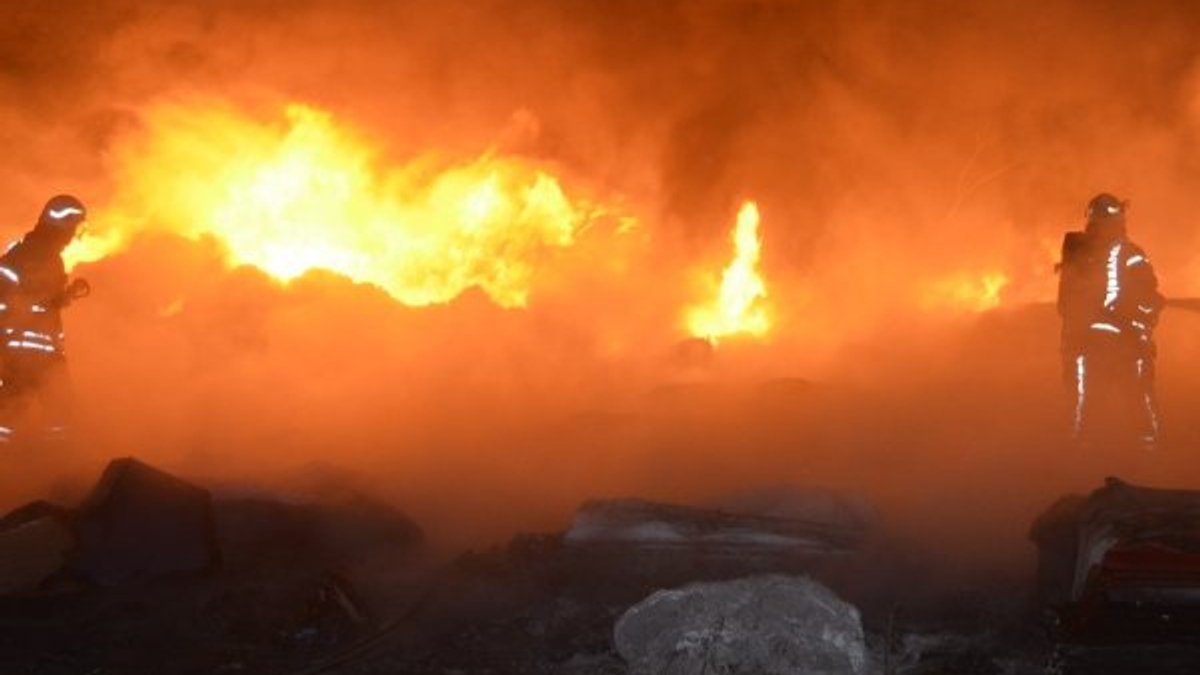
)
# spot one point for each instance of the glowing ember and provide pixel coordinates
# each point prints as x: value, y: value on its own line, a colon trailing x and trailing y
x: 308, y: 195
x: 738, y: 307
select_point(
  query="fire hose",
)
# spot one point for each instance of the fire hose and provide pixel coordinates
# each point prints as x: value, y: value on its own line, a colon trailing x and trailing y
x: 1186, y: 304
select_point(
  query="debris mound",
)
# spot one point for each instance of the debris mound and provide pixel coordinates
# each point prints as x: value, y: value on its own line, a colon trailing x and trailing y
x: 767, y: 625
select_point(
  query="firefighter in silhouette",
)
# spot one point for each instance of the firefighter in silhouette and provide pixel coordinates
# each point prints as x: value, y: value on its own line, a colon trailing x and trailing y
x: 33, y: 292
x: 1109, y: 303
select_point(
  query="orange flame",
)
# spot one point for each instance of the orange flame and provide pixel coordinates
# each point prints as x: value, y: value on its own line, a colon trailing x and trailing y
x: 968, y: 292
x: 308, y: 195
x: 738, y: 307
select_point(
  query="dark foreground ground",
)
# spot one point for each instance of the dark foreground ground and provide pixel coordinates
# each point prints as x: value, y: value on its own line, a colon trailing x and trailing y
x: 536, y: 606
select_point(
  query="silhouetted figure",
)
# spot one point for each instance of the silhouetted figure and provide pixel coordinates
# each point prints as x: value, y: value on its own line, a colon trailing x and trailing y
x: 33, y: 292
x: 1109, y: 302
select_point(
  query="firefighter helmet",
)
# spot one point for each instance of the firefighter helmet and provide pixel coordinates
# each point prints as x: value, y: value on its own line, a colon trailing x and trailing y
x: 63, y: 212
x: 1104, y: 207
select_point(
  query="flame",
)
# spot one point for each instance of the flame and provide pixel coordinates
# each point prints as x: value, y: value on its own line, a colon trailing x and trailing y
x: 90, y: 246
x: 738, y: 307
x: 308, y: 194
x: 968, y: 292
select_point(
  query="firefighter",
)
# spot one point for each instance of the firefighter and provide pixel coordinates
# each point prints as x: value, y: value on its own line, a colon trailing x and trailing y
x: 1109, y: 303
x: 34, y: 289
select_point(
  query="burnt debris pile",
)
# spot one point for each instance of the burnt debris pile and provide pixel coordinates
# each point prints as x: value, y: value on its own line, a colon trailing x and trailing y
x: 1119, y: 570
x: 151, y: 572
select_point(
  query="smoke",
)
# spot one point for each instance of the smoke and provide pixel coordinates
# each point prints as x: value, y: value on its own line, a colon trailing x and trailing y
x: 901, y: 154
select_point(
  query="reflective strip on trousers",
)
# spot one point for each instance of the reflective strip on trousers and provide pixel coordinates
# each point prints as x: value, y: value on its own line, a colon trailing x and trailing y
x: 1147, y: 400
x: 1080, y: 392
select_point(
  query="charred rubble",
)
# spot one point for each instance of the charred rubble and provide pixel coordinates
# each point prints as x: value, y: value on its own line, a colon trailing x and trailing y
x: 1119, y: 573
x: 151, y: 573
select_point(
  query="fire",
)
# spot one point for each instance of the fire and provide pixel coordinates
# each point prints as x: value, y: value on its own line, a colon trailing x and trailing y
x: 968, y: 292
x: 738, y: 307
x: 309, y: 194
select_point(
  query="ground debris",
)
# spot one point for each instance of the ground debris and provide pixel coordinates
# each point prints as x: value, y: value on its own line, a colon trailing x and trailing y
x: 151, y: 574
x: 140, y: 521
x: 770, y: 625
x: 1122, y: 566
